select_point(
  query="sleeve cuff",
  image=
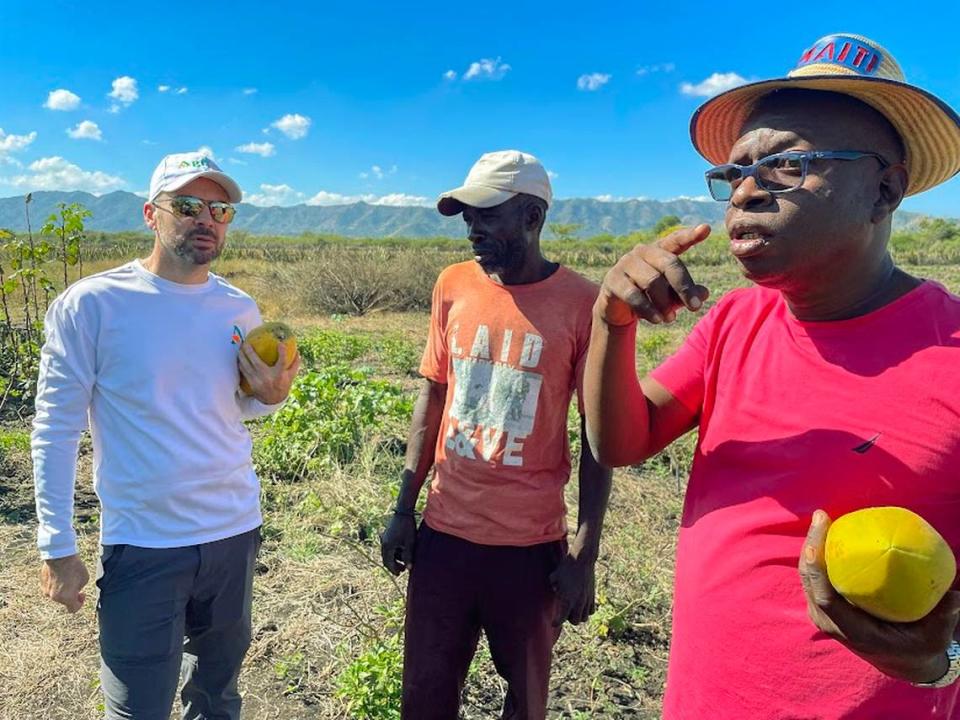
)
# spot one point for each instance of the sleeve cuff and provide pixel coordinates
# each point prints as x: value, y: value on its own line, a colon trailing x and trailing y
x: 251, y: 408
x: 60, y: 550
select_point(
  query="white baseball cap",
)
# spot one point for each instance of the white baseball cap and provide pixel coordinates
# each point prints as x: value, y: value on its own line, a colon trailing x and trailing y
x: 176, y: 170
x: 495, y: 178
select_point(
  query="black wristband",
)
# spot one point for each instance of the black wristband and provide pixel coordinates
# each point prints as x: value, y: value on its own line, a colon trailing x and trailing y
x: 405, y: 513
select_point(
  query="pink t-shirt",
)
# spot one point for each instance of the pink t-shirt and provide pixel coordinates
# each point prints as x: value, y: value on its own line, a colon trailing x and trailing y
x: 796, y: 416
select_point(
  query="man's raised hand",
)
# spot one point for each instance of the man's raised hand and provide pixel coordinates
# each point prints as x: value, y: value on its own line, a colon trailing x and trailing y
x: 651, y: 282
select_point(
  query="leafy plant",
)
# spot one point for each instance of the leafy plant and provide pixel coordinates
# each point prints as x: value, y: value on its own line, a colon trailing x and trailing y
x: 332, y: 347
x: 399, y: 355
x: 15, y: 440
x: 564, y: 232
x: 291, y: 670
x: 26, y: 288
x: 666, y: 224
x: 326, y: 419
x: 371, y: 683
x: 608, y: 621
x: 67, y: 226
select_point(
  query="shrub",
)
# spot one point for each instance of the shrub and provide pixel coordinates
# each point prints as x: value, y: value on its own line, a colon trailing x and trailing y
x: 360, y: 280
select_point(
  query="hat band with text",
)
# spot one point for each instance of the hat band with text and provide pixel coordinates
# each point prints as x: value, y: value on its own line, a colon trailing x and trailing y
x: 843, y: 51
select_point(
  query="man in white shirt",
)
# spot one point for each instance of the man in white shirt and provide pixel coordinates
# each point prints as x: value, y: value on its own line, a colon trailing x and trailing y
x: 150, y: 355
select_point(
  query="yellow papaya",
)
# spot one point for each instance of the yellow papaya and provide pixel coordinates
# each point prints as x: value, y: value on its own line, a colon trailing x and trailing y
x: 265, y: 340
x: 890, y: 562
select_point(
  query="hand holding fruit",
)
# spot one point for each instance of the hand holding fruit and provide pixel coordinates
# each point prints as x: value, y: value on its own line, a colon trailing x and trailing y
x: 268, y: 362
x: 911, y: 651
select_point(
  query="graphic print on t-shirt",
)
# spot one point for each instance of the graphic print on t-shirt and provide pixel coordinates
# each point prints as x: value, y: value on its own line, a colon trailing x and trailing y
x: 494, y: 405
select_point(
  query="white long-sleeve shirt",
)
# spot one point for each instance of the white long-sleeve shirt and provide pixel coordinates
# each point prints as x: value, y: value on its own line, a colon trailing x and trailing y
x: 152, y: 366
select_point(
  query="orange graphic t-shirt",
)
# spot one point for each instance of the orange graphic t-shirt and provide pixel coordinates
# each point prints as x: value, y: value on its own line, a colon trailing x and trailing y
x: 511, y: 358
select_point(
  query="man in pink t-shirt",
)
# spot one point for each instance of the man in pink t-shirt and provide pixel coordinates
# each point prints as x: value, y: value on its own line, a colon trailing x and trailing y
x: 830, y: 385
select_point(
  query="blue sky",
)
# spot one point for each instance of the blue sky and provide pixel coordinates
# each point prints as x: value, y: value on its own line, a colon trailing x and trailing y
x: 392, y: 102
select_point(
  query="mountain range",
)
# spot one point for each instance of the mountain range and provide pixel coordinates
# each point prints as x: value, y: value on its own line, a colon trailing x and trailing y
x: 119, y: 211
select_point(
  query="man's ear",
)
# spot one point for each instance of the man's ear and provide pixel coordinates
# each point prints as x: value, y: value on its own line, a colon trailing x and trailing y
x: 893, y: 186
x: 534, y: 217
x: 150, y: 215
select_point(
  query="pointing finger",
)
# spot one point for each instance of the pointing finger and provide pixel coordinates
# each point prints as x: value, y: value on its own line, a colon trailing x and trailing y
x: 679, y: 241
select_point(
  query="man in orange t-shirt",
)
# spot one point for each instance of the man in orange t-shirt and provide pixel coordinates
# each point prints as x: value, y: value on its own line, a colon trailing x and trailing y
x: 505, y: 353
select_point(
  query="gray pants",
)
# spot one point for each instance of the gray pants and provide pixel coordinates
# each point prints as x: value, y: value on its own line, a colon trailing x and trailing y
x: 166, y: 611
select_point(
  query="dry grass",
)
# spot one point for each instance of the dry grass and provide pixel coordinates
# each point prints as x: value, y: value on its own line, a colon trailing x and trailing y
x: 320, y: 591
x: 316, y: 607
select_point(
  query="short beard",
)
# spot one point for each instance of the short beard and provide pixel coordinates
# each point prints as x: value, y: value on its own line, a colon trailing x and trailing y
x: 184, y: 248
x: 509, y: 259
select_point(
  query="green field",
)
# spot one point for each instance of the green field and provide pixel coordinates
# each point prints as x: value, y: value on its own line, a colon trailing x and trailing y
x: 326, y: 615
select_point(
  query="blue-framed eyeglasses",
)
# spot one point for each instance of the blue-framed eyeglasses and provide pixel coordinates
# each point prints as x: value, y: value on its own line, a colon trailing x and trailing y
x: 779, y: 173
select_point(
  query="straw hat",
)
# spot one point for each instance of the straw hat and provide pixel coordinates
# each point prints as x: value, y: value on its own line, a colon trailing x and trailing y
x: 856, y: 66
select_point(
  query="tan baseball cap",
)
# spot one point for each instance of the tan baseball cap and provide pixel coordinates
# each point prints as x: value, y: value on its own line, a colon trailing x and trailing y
x: 495, y: 178
x: 176, y: 170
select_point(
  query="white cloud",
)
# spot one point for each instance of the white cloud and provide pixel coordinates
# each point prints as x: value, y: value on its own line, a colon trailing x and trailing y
x: 695, y: 198
x: 15, y: 143
x: 450, y: 75
x: 713, y: 85
x: 124, y: 92
x: 206, y: 151
x: 262, y: 149
x: 273, y: 195
x: 328, y: 198
x: 552, y: 175
x: 402, y: 200
x: 486, y: 69
x: 592, y: 82
x: 142, y: 193
x: 62, y: 100
x: 55, y: 173
x: 235, y: 161
x: 163, y: 88
x: 378, y: 172
x: 181, y: 91
x: 618, y: 198
x: 661, y: 67
x: 294, y: 125
x: 393, y: 199
x: 249, y: 91
x: 86, y: 130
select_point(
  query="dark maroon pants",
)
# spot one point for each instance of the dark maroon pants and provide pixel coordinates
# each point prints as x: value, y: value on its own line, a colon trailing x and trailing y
x: 458, y: 588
